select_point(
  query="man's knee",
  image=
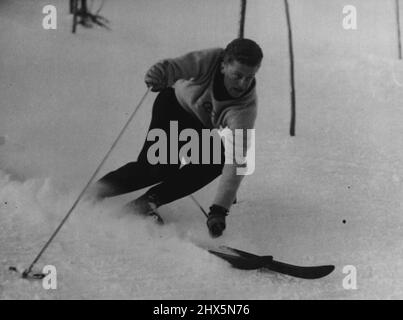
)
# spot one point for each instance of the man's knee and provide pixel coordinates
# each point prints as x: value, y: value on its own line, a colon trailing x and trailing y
x: 99, y: 191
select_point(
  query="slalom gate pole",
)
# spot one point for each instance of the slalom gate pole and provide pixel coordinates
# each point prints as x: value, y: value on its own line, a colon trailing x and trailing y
x: 242, y: 14
x: 292, y: 73
x: 27, y: 272
x: 399, y: 37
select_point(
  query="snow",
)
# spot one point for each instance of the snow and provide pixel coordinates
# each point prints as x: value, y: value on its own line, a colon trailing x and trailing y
x: 65, y: 98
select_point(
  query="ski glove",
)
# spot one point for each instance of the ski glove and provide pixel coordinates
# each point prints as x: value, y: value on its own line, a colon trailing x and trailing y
x: 155, y: 78
x: 216, y: 220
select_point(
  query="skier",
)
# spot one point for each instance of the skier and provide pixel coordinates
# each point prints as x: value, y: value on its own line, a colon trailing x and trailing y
x: 207, y: 89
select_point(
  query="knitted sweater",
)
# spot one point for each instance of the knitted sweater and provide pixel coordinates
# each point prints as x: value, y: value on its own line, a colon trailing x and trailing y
x: 192, y: 76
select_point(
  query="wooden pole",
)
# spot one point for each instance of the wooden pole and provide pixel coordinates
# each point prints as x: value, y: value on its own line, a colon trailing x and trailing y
x: 242, y: 19
x: 292, y: 79
x: 399, y: 37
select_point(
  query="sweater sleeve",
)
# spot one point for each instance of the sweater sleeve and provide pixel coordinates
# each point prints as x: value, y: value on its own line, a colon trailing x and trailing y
x: 238, y: 140
x: 191, y: 65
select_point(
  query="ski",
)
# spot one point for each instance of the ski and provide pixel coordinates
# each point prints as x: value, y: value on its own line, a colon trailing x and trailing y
x: 247, y: 261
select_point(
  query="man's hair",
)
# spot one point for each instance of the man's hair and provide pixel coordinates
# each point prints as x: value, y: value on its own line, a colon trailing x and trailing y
x: 244, y: 51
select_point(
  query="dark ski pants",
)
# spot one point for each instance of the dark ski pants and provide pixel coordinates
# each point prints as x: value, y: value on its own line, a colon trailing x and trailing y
x: 171, y: 181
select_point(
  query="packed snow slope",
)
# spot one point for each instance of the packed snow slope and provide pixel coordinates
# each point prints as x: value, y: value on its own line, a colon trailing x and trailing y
x: 331, y: 195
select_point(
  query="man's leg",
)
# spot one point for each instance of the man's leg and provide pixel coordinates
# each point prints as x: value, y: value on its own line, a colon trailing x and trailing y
x: 140, y: 174
x: 193, y: 176
x: 186, y: 181
x: 131, y: 177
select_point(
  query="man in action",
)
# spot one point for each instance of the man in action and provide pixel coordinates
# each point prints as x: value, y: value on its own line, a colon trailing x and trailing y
x: 208, y: 89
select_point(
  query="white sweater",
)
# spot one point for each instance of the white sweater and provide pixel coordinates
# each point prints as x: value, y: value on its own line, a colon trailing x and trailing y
x: 192, y: 76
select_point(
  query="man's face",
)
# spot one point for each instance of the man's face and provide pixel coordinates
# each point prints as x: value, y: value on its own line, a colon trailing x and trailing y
x: 238, y: 77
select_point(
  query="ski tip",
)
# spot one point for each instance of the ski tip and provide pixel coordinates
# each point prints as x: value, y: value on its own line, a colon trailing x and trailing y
x: 329, y: 268
x: 324, y: 271
x: 313, y: 273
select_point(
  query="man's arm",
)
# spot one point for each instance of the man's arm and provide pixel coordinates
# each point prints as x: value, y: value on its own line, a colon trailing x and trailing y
x: 238, y: 141
x: 166, y: 72
x: 228, y: 186
x: 229, y: 183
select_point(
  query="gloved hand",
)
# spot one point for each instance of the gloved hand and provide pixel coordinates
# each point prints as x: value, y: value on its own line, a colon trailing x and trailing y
x: 216, y: 220
x: 155, y: 79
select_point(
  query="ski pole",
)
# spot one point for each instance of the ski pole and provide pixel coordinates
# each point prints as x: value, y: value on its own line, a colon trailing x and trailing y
x: 199, y: 205
x: 26, y: 273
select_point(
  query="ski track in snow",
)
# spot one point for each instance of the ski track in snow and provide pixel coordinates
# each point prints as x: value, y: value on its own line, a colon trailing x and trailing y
x: 102, y: 254
x: 62, y: 106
